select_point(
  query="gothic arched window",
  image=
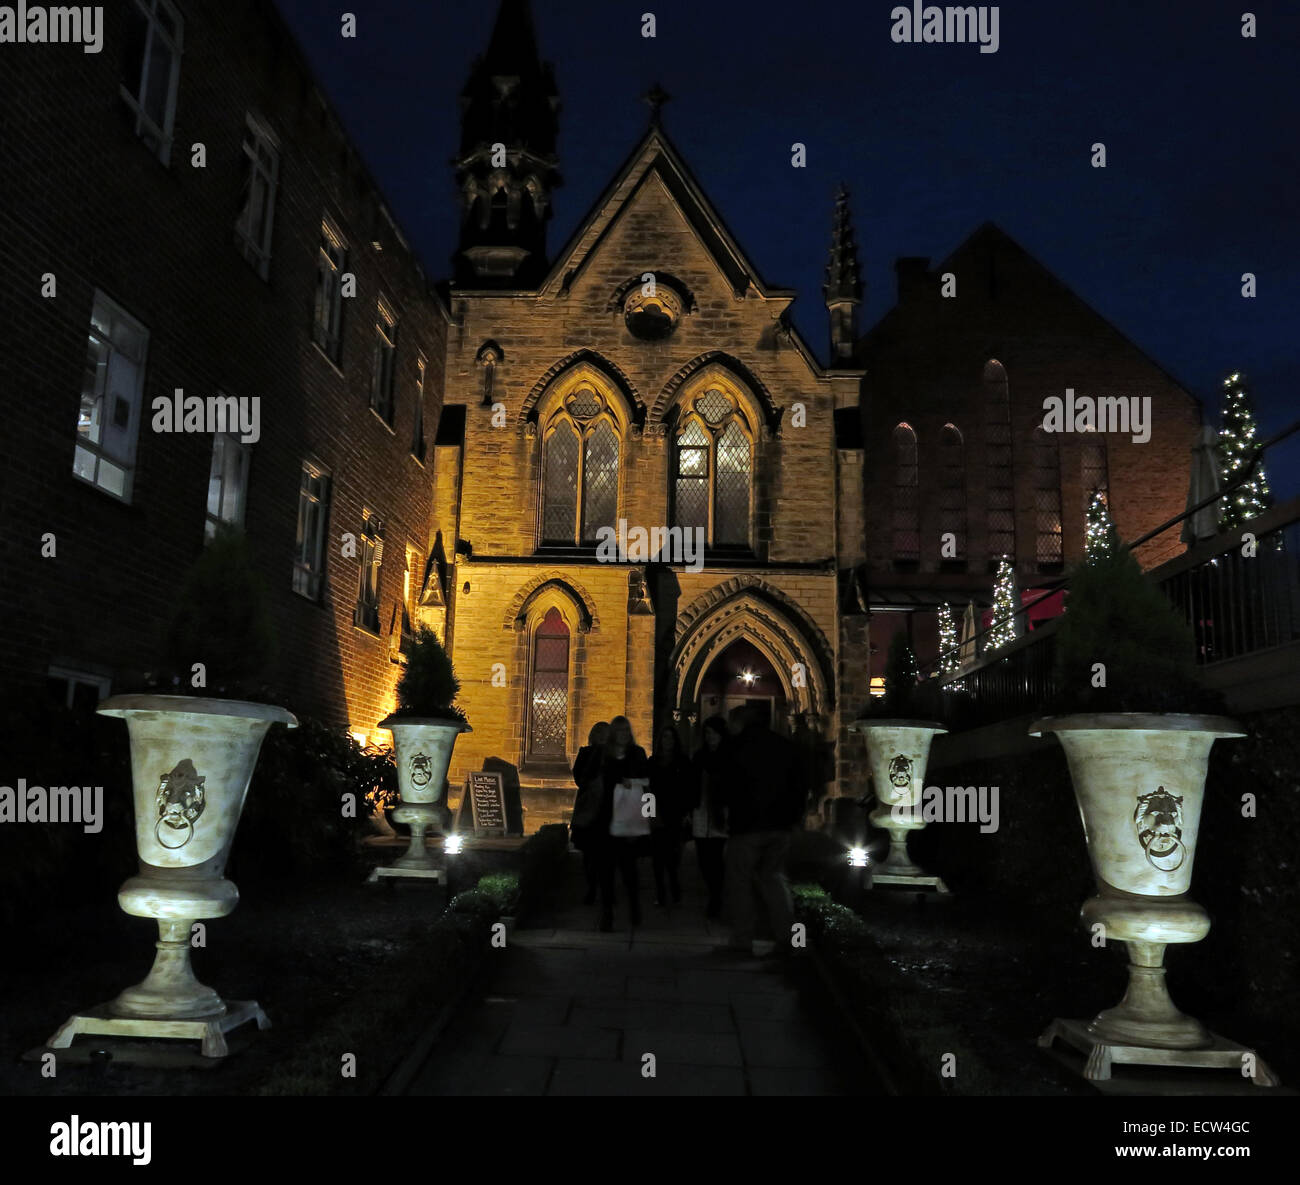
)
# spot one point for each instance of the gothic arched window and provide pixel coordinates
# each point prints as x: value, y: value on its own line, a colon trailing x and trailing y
x: 713, y: 469
x: 1096, y: 475
x: 952, y: 491
x: 580, y: 451
x: 999, y: 480
x: 907, y: 527
x: 1047, y: 499
x: 548, y: 716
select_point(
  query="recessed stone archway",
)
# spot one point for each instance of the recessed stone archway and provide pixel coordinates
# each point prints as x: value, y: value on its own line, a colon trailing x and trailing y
x: 746, y: 607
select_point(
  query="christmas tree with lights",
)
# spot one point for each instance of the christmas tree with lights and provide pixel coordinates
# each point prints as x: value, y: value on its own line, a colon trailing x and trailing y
x: 1006, y: 607
x: 1237, y: 448
x: 1098, y: 530
x: 949, y: 654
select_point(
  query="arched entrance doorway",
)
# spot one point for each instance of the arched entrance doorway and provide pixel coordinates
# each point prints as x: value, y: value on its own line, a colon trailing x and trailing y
x: 741, y: 675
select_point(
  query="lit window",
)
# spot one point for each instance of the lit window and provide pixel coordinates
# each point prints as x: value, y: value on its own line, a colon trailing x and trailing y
x: 332, y: 261
x: 151, y: 68
x: 713, y: 469
x: 549, y: 695
x: 227, y: 482
x: 313, y: 510
x: 372, y: 559
x: 112, y: 391
x: 580, y: 455
x: 385, y: 358
x: 257, y: 214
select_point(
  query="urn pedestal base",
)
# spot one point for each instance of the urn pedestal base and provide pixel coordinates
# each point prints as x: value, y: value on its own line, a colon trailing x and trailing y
x: 897, y: 870
x: 210, y: 1031
x: 397, y: 872
x: 1102, y: 1054
x: 417, y: 862
x: 920, y: 881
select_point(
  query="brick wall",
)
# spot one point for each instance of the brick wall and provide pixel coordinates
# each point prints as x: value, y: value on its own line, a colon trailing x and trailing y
x: 86, y: 200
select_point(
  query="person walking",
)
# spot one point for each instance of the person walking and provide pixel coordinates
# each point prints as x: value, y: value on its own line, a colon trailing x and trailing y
x: 670, y: 773
x: 586, y: 806
x: 765, y: 797
x: 623, y: 759
x: 708, y: 812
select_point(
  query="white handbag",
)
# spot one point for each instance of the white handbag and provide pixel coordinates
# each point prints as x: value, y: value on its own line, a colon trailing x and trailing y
x: 627, y: 820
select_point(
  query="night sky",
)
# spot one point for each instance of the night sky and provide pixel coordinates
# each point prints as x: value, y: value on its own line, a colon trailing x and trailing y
x: 1199, y: 123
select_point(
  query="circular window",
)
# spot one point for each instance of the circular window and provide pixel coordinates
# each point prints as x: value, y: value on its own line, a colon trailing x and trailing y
x: 652, y: 318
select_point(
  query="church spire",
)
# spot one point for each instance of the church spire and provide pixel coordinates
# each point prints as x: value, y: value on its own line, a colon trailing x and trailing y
x: 843, y: 287
x: 507, y: 168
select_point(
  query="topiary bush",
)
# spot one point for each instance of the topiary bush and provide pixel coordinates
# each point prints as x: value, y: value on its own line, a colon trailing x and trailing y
x: 428, y: 685
x: 1116, y: 617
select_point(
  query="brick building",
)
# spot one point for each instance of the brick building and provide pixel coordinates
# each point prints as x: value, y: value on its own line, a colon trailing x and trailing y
x: 184, y: 211
x: 644, y: 376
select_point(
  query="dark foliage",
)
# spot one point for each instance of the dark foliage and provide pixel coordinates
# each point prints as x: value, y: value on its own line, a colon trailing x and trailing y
x: 428, y: 686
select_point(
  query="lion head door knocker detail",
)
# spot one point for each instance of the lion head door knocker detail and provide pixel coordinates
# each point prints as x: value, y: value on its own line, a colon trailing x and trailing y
x: 420, y: 768
x: 1159, y: 823
x: 900, y: 771
x: 180, y: 801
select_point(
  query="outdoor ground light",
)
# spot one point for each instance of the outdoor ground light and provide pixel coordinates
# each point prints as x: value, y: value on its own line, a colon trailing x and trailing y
x: 453, y: 844
x: 858, y: 858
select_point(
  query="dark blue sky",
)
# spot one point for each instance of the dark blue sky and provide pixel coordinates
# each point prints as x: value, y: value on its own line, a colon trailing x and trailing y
x: 1200, y: 127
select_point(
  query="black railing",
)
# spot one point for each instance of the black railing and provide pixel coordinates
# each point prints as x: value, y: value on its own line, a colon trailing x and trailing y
x: 1240, y: 597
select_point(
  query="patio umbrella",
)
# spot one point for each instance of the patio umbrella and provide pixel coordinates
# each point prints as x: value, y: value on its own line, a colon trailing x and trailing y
x: 1203, y: 482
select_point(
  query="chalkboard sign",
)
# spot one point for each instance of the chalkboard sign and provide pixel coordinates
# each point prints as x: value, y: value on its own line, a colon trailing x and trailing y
x: 485, y: 794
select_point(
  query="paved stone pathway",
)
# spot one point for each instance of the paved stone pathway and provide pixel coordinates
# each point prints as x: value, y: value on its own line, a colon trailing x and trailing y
x: 567, y: 1010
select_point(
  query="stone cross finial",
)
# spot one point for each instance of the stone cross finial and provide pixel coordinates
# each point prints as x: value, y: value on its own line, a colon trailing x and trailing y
x: 655, y: 98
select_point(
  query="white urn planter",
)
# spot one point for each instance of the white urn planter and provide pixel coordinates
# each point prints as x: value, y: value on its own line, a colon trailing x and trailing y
x: 191, y: 763
x: 898, y: 751
x: 1139, y: 779
x: 422, y: 748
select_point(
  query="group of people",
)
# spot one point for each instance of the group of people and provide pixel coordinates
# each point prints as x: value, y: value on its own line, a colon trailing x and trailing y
x: 738, y: 798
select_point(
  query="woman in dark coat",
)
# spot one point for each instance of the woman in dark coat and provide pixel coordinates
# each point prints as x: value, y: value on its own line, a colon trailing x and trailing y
x: 623, y: 758
x: 586, y: 805
x: 712, y: 767
x: 670, y: 776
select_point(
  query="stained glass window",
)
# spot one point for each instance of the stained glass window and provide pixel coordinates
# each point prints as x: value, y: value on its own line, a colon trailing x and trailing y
x: 584, y: 405
x: 599, y: 481
x: 691, y: 501
x: 549, y: 715
x: 731, y: 510
x: 560, y: 477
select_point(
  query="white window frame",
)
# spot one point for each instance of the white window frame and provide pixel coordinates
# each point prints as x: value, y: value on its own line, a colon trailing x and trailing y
x: 96, y: 452
x: 309, y: 572
x: 383, y: 370
x: 419, y: 446
x: 328, y: 334
x: 258, y: 250
x: 72, y: 676
x: 222, y: 443
x: 145, y: 127
x: 366, y: 616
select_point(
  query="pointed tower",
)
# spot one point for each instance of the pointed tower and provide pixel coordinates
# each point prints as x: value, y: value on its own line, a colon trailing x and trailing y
x: 507, y: 167
x: 843, y: 287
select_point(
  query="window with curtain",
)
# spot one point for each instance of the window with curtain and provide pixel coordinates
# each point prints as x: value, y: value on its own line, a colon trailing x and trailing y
x: 580, y: 456
x: 999, y: 478
x: 906, y: 516
x: 713, y: 465
x: 549, y: 691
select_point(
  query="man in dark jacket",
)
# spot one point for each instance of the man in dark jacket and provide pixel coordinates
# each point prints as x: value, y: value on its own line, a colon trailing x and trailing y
x: 766, y: 798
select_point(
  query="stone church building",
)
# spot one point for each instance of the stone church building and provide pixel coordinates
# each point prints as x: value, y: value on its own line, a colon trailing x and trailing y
x: 645, y: 374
